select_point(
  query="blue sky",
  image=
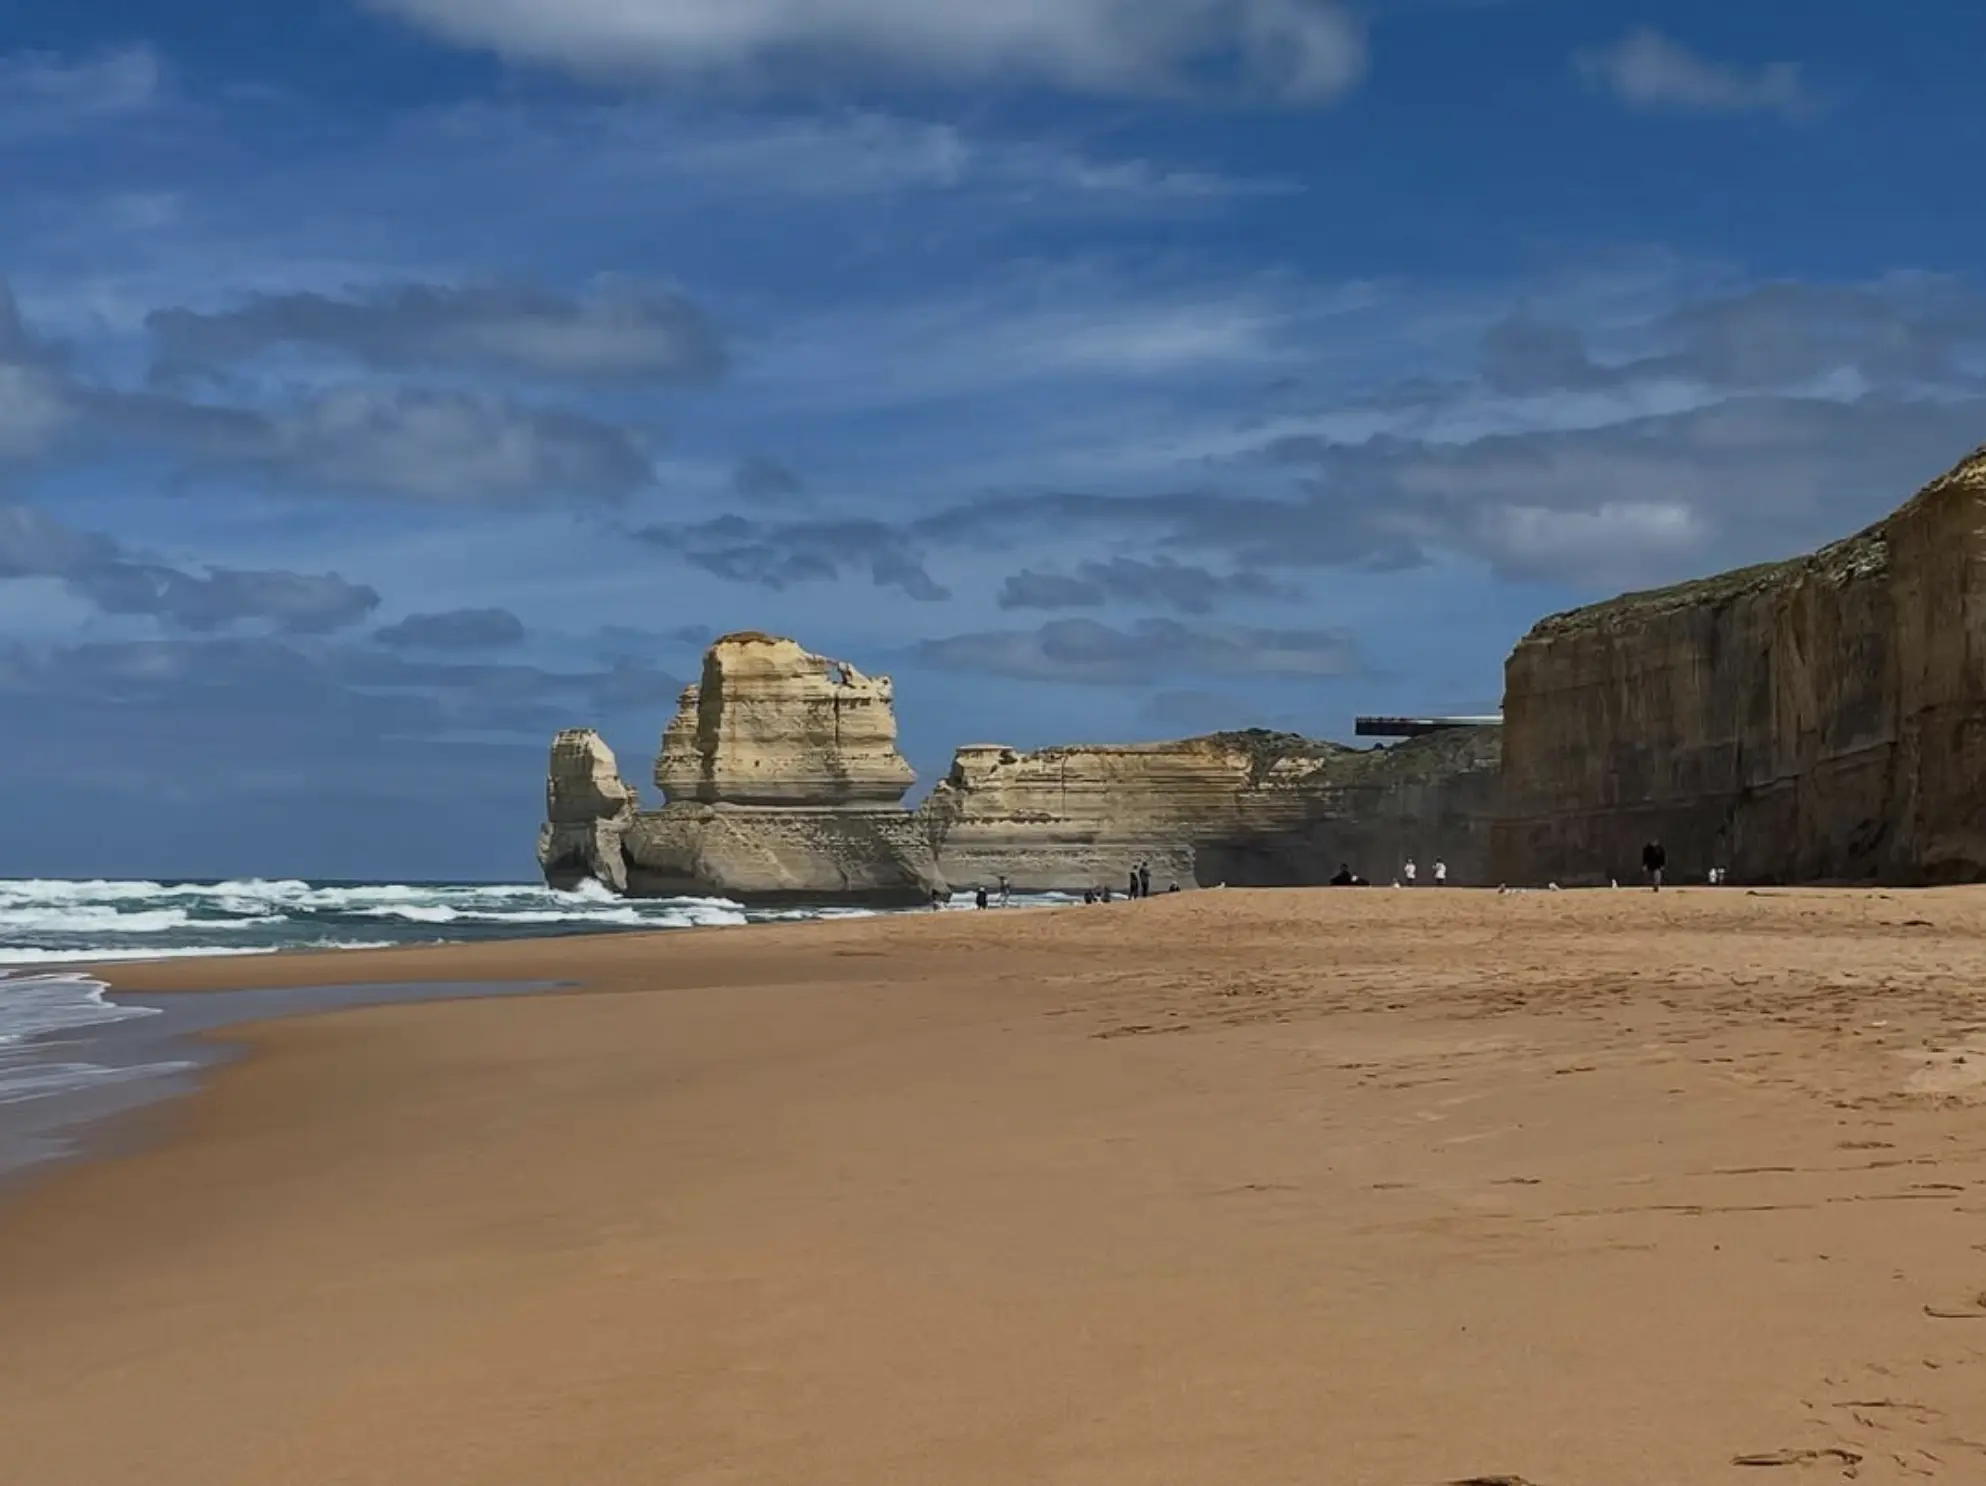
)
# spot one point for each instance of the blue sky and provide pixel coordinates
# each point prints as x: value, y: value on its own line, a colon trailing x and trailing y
x: 387, y: 383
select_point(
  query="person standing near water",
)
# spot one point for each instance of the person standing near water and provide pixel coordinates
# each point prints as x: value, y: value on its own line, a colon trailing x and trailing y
x: 1144, y: 879
x: 1653, y: 860
x: 1440, y: 873
x: 1006, y: 892
x: 1409, y: 872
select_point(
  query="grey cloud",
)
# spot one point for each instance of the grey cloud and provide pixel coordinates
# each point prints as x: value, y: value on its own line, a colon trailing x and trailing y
x: 623, y: 335
x: 1522, y: 355
x: 1645, y: 500
x: 1776, y: 334
x: 454, y: 629
x: 293, y: 603
x: 1182, y: 586
x: 93, y: 566
x: 453, y: 448
x: 1085, y: 652
x: 767, y: 480
x: 781, y: 555
x: 408, y: 443
x: 1646, y: 70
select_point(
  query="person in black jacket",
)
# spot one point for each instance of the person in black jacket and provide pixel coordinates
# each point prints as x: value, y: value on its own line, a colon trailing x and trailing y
x: 1653, y: 860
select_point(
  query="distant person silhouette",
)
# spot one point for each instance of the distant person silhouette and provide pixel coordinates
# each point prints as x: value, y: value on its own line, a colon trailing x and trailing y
x: 979, y: 898
x: 1410, y: 872
x: 1144, y: 879
x: 1441, y: 874
x: 1343, y: 876
x: 1654, y: 860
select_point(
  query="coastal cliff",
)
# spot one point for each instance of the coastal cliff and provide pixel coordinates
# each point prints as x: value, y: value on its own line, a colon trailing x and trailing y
x: 1815, y: 720
x: 1246, y: 808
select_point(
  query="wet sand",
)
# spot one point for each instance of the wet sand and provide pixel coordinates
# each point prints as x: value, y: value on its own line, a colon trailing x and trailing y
x: 1595, y: 1189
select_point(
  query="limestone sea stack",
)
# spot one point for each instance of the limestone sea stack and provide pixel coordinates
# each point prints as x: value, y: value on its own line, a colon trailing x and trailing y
x: 587, y: 812
x: 1822, y: 719
x: 1250, y: 808
x: 780, y: 779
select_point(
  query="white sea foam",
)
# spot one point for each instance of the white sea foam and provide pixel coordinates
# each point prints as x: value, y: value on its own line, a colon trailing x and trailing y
x: 12, y: 956
x: 32, y: 1005
x: 55, y: 922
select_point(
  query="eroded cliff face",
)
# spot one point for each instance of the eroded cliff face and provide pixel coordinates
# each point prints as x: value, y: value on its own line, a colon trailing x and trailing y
x: 781, y: 779
x: 588, y: 810
x: 773, y: 724
x: 1248, y: 809
x: 1817, y: 720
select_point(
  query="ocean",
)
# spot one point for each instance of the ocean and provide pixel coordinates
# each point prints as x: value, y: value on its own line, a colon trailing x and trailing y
x: 71, y: 1052
x: 54, y: 922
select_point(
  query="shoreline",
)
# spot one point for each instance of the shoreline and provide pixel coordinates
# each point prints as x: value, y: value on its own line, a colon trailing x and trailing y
x: 1422, y: 1185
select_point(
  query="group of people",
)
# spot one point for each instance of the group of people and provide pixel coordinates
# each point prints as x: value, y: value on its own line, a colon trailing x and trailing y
x: 1137, y: 884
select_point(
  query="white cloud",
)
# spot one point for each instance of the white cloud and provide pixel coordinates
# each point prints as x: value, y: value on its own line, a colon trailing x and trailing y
x: 1297, y: 50
x: 1646, y: 70
x: 43, y: 94
x: 863, y: 153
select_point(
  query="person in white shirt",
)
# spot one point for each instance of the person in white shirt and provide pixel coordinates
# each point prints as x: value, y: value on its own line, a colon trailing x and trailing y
x: 1441, y: 874
x: 1409, y: 871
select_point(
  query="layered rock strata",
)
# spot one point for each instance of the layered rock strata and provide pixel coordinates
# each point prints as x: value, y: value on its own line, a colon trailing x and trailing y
x: 1248, y: 809
x: 780, y: 778
x: 1822, y: 719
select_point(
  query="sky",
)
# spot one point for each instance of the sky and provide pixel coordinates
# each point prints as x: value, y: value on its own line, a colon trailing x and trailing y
x: 386, y: 384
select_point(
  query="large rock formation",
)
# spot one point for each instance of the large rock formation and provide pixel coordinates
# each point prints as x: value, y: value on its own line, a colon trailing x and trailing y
x: 1817, y: 720
x: 780, y: 778
x: 771, y: 724
x: 1249, y: 809
x: 587, y: 812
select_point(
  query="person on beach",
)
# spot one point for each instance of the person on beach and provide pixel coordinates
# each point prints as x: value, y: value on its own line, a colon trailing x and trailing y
x: 1409, y: 872
x: 1440, y: 874
x: 1089, y: 895
x: 937, y: 899
x: 1653, y: 860
x: 1144, y: 879
x: 1132, y: 889
x: 1343, y: 876
x: 1106, y: 892
x: 979, y: 898
x: 1006, y: 892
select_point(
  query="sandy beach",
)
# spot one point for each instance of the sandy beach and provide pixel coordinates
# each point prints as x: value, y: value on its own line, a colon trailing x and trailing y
x: 1591, y: 1189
